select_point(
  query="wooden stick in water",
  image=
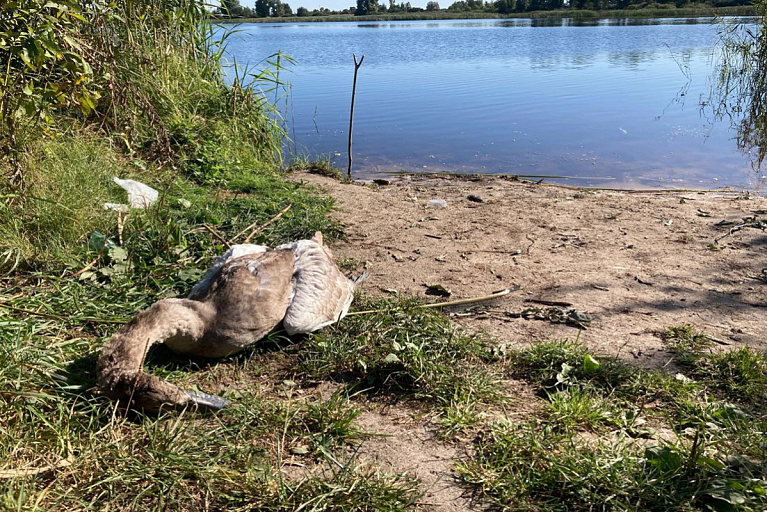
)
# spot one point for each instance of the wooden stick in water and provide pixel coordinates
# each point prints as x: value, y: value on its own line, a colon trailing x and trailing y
x: 351, y: 113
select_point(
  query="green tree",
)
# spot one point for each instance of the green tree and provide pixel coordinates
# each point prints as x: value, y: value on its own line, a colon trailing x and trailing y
x: 366, y: 7
x: 432, y: 6
x: 302, y: 11
x: 262, y: 8
x: 231, y: 7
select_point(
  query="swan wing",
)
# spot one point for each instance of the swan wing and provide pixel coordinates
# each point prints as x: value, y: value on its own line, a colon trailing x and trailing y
x: 321, y: 293
x: 251, y: 295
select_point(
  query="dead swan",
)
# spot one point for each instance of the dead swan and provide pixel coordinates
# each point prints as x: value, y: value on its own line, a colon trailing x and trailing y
x: 247, y: 292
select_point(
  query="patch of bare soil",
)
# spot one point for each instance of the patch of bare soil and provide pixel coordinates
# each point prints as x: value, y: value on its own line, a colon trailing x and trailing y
x: 404, y: 444
x: 639, y: 262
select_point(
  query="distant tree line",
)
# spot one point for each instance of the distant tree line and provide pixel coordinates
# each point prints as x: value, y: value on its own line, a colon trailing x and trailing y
x: 512, y: 6
x: 261, y: 9
x: 276, y: 8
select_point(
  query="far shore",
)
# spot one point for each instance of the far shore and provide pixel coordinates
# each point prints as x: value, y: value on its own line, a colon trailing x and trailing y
x: 673, y: 12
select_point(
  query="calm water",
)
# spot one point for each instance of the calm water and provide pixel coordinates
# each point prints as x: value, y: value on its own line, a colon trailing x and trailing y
x: 612, y: 102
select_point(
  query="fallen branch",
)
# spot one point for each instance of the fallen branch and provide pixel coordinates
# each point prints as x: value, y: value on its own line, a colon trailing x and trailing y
x: 748, y: 222
x: 558, y: 303
x: 460, y: 302
x: 87, y: 267
x: 716, y: 340
x: 268, y: 223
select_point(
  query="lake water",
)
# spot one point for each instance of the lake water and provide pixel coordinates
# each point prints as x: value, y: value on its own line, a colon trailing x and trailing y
x: 611, y: 102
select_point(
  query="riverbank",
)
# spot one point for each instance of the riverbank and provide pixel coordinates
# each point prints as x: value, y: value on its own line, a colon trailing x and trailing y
x: 655, y: 285
x: 637, y: 261
x: 671, y: 12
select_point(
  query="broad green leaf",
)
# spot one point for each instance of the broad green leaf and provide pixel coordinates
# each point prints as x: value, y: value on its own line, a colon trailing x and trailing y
x: 590, y: 365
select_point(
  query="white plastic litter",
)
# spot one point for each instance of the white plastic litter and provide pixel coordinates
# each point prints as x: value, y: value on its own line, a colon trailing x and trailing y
x: 139, y: 195
x: 437, y: 203
x: 117, y: 207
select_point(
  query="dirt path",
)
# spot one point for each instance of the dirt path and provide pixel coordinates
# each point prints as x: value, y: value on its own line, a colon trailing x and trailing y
x: 637, y: 262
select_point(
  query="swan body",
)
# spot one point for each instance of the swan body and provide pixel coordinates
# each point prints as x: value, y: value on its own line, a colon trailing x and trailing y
x: 247, y: 292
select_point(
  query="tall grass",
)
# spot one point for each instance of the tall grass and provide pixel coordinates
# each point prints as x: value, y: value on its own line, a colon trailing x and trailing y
x: 145, y: 73
x: 133, y: 89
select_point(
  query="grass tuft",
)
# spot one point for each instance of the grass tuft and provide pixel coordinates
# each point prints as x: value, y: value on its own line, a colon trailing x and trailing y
x: 581, y: 408
x: 402, y: 350
x: 322, y: 166
x: 685, y: 343
x: 739, y: 374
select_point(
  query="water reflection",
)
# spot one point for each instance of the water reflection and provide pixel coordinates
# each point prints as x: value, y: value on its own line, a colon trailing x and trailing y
x: 634, y: 59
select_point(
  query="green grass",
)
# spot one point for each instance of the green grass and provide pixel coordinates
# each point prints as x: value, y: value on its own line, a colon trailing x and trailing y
x: 685, y: 343
x: 399, y: 349
x: 322, y: 166
x: 739, y: 374
x: 563, y: 363
x: 626, y: 438
x: 534, y: 467
x: 50, y: 416
x: 581, y: 408
x: 72, y: 179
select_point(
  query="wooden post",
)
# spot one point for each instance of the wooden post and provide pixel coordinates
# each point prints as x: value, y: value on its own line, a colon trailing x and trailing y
x: 351, y: 114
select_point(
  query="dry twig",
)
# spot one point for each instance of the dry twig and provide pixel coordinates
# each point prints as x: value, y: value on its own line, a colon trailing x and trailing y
x: 460, y: 302
x: 217, y: 235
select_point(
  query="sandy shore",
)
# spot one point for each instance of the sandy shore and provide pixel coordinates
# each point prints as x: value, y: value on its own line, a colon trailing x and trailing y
x: 638, y: 262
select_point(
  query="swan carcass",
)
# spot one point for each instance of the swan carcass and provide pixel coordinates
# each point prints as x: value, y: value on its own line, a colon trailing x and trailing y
x: 247, y: 292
